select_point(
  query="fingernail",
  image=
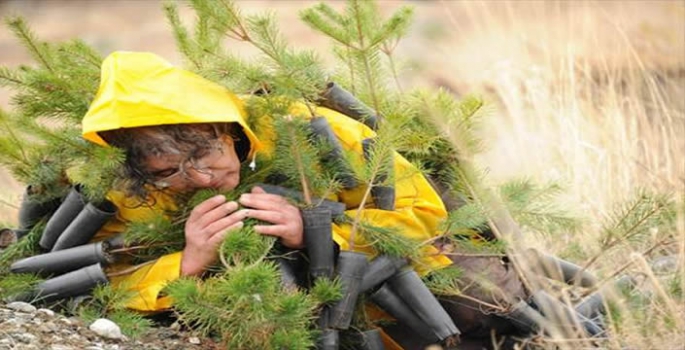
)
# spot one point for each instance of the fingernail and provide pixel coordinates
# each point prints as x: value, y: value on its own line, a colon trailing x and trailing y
x: 244, y: 196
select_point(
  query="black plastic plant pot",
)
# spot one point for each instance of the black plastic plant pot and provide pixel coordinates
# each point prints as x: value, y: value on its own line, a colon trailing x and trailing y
x: 336, y: 208
x: 387, y: 300
x: 85, y: 225
x: 288, y: 274
x: 329, y: 340
x: 563, y: 316
x: 372, y: 340
x: 321, y: 128
x: 318, y: 240
x: 561, y: 270
x: 62, y: 261
x: 383, y: 196
x: 71, y: 284
x: 525, y: 318
x: 592, y: 306
x: 350, y: 270
x: 341, y: 100
x: 31, y: 211
x: 380, y: 269
x: 60, y: 220
x: 408, y: 285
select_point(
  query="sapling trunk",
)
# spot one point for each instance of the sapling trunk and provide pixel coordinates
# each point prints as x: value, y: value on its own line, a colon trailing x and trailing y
x: 65, y: 214
x: 387, y: 300
x: 409, y: 286
x: 350, y: 270
x: 321, y: 128
x: 318, y: 239
x: 31, y: 211
x: 372, y: 340
x: 85, y: 225
x: 383, y: 196
x: 380, y: 269
x: 66, y: 260
x: 341, y: 100
x: 562, y: 270
x: 71, y: 284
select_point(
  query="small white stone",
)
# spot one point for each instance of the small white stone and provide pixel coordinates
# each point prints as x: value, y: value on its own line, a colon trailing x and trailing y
x: 21, y: 306
x: 194, y: 340
x: 46, y: 312
x: 106, y: 329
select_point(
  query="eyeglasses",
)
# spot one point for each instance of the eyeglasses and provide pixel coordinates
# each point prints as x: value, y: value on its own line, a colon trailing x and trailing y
x: 191, y: 167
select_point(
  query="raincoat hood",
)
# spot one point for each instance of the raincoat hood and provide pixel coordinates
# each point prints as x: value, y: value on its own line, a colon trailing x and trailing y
x: 141, y: 89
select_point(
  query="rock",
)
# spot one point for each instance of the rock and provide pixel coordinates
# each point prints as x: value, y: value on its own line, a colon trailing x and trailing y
x: 46, y: 312
x: 194, y: 340
x: 106, y: 329
x: 21, y: 306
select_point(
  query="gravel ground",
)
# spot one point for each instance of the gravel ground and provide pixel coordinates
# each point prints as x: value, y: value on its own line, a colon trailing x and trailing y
x: 23, y: 326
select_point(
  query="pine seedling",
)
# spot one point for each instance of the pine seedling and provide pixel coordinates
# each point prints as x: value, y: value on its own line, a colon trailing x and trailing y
x: 536, y: 208
x: 359, y: 31
x: 246, y: 307
x: 15, y: 284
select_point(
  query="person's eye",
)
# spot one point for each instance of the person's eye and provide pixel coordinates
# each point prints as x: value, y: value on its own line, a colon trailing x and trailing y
x: 164, y: 173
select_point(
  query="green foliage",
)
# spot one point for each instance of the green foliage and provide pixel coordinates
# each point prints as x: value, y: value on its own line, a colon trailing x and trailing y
x: 247, y: 307
x: 444, y: 281
x: 245, y: 246
x: 43, y: 146
x: 535, y: 207
x: 326, y: 291
x: 15, y: 284
x: 632, y: 220
x: 154, y: 237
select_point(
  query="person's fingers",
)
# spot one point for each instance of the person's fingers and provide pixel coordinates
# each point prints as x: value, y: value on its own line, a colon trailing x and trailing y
x: 225, y: 222
x: 257, y: 189
x: 284, y: 232
x: 217, y: 213
x: 218, y: 237
x: 263, y: 201
x: 274, y: 217
x: 206, y: 206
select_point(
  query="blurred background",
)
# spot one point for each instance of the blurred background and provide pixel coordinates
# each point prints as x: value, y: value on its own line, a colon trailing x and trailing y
x: 590, y: 94
x: 587, y: 93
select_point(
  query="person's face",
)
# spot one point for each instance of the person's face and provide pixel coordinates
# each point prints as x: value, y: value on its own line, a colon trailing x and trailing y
x: 219, y: 169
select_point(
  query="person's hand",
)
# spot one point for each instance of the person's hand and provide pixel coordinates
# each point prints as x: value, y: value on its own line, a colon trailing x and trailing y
x: 285, y: 218
x: 205, y: 229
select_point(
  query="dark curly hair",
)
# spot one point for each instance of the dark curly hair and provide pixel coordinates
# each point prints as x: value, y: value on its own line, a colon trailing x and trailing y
x: 188, y: 140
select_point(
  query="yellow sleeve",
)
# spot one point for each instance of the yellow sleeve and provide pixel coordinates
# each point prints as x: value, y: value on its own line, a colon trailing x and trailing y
x: 145, y: 281
x: 418, y: 208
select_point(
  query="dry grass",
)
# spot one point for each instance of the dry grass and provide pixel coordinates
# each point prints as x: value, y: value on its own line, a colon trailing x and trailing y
x: 588, y: 93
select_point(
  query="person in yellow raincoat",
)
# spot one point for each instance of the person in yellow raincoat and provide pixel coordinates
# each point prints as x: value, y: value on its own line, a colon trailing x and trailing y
x: 181, y: 132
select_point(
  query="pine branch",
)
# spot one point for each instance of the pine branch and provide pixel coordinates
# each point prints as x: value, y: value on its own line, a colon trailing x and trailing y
x: 25, y: 35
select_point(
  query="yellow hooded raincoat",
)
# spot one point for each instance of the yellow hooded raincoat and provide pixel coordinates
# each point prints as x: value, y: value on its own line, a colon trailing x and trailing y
x: 141, y: 89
